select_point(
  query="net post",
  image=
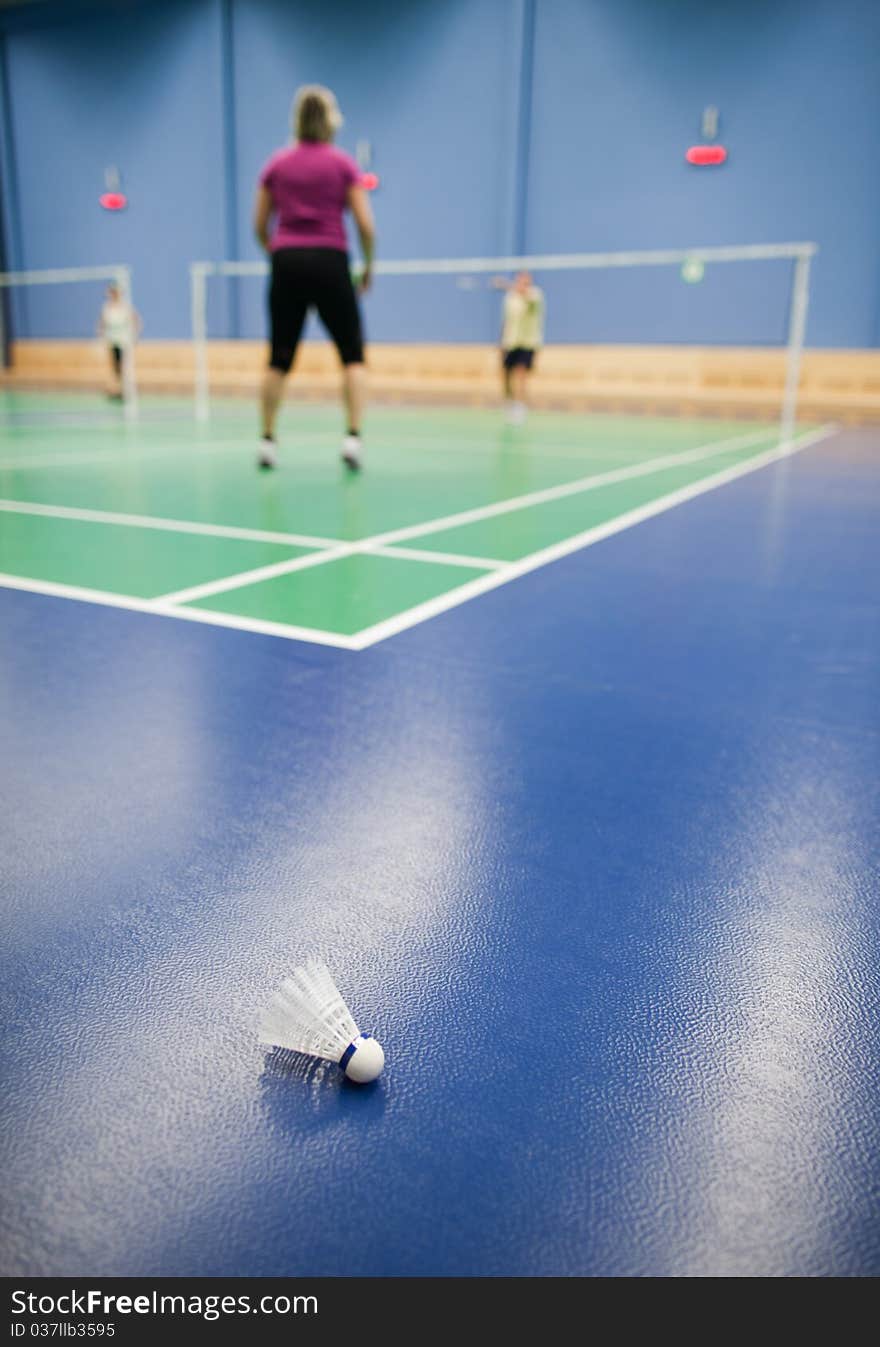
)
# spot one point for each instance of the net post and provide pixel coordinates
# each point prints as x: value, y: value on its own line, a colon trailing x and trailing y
x: 122, y: 277
x: 199, y: 314
x: 797, y: 326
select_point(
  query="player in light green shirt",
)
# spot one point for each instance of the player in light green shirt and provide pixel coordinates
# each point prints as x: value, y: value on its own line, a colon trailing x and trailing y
x: 521, y: 337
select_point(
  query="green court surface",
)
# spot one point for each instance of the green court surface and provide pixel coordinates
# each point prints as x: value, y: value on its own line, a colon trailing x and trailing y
x: 169, y: 517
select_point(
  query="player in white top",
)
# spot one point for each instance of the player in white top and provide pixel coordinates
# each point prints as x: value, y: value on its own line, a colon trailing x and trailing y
x: 521, y: 338
x: 119, y: 326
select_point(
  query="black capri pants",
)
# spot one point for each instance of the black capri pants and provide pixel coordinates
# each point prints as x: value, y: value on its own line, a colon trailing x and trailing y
x: 304, y: 278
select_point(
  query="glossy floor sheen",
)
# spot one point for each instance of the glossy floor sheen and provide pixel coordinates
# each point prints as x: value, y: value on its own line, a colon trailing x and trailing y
x: 594, y: 855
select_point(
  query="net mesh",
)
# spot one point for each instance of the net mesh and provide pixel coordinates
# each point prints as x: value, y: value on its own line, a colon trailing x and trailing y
x: 636, y: 327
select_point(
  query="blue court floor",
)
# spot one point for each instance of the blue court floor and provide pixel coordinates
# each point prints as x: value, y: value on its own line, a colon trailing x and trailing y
x: 594, y: 855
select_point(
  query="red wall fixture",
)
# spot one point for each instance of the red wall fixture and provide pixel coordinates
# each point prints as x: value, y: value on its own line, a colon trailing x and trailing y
x: 706, y: 154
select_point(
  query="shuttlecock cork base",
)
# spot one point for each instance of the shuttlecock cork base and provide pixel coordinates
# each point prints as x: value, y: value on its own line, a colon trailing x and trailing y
x: 308, y: 1014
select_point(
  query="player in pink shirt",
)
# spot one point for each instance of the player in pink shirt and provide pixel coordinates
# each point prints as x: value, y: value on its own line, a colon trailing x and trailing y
x: 302, y: 195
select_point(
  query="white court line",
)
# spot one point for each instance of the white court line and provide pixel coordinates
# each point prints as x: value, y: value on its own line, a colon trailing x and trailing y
x: 591, y: 483
x: 423, y: 611
x: 84, y: 422
x: 418, y: 554
x: 317, y: 558
x: 157, y: 609
x: 233, y: 531
x: 145, y: 521
x: 256, y: 575
x: 123, y: 455
x: 119, y: 455
x: 59, y: 460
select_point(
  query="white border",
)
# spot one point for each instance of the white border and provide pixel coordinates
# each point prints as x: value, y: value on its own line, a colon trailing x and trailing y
x: 382, y: 630
x: 501, y: 574
x: 382, y: 542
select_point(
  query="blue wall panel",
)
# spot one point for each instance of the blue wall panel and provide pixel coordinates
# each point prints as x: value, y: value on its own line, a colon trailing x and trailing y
x: 547, y: 124
x: 137, y: 87
x: 433, y: 88
x: 619, y: 91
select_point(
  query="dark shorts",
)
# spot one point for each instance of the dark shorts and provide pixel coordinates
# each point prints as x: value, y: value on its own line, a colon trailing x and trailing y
x: 305, y: 278
x: 519, y: 355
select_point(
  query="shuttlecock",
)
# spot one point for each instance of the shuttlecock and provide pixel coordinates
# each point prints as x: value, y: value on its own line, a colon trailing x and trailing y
x: 308, y: 1014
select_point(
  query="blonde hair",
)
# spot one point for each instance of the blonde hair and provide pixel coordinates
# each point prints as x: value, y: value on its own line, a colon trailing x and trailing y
x: 315, y: 114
